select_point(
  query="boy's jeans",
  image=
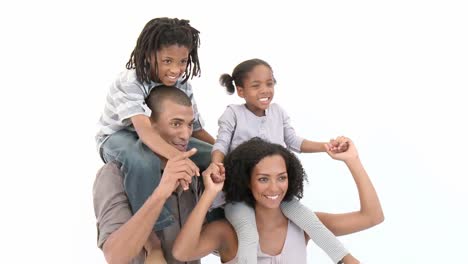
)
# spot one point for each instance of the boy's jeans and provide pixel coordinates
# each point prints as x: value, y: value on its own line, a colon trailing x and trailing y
x: 142, y: 168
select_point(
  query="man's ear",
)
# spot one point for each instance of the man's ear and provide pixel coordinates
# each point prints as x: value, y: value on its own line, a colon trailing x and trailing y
x: 240, y: 91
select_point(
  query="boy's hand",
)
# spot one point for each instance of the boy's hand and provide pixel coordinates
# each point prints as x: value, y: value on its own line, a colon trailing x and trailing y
x: 215, y: 171
x: 338, y: 145
x: 178, y: 169
x: 211, y: 181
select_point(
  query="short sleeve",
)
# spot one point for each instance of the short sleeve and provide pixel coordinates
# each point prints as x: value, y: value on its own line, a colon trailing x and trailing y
x: 127, y: 96
x: 111, y: 205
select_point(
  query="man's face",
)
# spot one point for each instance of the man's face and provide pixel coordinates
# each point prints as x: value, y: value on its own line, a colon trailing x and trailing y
x: 175, y: 123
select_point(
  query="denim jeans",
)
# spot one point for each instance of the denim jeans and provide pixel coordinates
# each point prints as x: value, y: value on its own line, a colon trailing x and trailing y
x: 142, y: 170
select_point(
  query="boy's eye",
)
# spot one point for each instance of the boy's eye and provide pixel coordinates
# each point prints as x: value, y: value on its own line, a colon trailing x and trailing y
x: 175, y: 124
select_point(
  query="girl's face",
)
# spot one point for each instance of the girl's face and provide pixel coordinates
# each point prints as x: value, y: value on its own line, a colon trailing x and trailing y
x: 269, y: 181
x: 258, y: 89
x: 171, y: 63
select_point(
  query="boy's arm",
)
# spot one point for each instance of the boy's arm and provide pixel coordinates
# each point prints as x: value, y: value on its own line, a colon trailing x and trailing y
x: 370, y: 213
x: 203, y: 135
x: 151, y: 137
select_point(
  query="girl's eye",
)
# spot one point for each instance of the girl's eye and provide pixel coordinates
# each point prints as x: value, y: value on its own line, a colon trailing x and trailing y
x: 263, y: 179
x: 166, y: 61
x: 283, y: 178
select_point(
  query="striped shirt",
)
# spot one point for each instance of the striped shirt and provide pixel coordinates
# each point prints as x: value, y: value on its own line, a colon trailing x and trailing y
x: 238, y: 124
x: 126, y: 98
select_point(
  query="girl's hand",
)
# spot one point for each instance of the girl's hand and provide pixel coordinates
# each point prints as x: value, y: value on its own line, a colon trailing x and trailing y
x: 349, y: 154
x: 339, y: 144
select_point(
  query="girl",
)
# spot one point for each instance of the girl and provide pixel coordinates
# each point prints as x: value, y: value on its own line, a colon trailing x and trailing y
x: 263, y: 175
x: 258, y: 117
x: 166, y: 53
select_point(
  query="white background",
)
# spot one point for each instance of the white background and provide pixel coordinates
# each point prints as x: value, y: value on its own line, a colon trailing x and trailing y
x: 391, y: 75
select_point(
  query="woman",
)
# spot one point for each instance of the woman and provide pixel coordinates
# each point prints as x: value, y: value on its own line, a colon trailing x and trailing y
x: 263, y: 175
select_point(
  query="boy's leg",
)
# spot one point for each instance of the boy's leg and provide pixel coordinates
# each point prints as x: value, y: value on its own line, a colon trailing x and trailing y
x: 308, y: 221
x: 242, y: 218
x: 141, y: 169
x: 203, y: 156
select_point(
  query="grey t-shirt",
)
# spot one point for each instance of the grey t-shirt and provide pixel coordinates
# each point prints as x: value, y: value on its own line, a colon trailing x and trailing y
x: 238, y: 124
x: 112, y: 210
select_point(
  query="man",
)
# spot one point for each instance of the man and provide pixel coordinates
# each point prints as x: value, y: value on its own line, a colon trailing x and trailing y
x: 125, y: 238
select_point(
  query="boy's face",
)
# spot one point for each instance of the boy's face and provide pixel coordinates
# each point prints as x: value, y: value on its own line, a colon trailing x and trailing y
x: 258, y: 89
x: 171, y: 63
x: 174, y: 124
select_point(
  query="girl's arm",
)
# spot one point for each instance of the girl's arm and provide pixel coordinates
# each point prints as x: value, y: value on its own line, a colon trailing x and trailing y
x: 308, y: 146
x: 192, y: 242
x: 203, y: 135
x: 370, y: 213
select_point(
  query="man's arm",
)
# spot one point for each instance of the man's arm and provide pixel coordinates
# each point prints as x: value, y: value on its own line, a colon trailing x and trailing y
x: 128, y: 240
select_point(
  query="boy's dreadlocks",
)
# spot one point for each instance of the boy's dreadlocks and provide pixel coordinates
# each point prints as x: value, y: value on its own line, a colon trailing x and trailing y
x: 162, y: 32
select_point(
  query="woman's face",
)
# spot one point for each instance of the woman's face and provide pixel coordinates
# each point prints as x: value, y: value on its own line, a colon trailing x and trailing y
x: 269, y: 181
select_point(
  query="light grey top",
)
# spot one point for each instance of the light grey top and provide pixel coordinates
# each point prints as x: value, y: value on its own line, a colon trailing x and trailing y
x: 126, y: 98
x: 294, y: 249
x: 238, y: 124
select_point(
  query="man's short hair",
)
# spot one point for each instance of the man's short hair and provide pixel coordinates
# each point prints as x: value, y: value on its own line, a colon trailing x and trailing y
x: 161, y: 93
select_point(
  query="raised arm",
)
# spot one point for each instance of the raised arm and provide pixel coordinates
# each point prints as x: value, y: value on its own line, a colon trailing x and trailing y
x: 370, y: 212
x: 126, y: 242
x: 193, y: 242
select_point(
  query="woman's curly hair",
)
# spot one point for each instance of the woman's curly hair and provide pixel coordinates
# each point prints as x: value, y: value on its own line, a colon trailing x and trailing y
x: 240, y: 163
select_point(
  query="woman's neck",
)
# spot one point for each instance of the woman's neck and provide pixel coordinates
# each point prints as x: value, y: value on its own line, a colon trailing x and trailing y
x: 269, y: 217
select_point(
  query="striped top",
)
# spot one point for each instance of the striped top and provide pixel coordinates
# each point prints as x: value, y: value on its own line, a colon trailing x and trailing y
x: 294, y: 249
x: 126, y: 98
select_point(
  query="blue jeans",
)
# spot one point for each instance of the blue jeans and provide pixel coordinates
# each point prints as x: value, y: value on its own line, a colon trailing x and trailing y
x: 142, y: 170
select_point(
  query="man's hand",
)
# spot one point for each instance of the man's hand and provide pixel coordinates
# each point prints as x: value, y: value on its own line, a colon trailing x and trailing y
x: 178, y: 169
x: 215, y: 171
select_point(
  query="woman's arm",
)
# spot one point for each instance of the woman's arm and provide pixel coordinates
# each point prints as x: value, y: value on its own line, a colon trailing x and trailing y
x: 370, y: 213
x: 192, y: 242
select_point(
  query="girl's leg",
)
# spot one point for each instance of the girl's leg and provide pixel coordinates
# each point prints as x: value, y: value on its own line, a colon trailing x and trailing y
x: 308, y: 221
x: 242, y: 218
